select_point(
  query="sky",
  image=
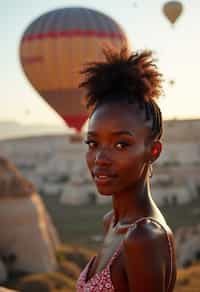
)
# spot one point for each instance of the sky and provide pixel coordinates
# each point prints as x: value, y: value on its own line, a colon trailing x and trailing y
x: 177, y: 50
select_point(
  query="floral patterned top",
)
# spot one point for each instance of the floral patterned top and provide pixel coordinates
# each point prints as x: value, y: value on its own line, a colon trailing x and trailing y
x: 101, y: 281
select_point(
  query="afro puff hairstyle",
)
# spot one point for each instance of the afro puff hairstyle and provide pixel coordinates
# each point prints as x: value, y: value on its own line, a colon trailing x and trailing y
x: 121, y: 76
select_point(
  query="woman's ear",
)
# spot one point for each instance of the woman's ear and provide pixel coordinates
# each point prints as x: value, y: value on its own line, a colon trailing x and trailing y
x: 155, y: 150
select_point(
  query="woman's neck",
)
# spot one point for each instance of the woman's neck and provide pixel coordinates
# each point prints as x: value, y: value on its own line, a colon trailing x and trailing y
x: 131, y: 204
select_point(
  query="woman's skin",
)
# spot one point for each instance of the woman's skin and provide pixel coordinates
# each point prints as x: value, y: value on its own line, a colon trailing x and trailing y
x: 119, y: 152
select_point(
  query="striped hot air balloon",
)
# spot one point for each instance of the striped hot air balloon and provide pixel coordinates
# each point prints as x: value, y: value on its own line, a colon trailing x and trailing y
x: 53, y: 50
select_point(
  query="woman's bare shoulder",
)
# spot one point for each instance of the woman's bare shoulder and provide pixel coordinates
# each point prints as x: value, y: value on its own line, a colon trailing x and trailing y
x: 144, y: 232
x: 145, y: 249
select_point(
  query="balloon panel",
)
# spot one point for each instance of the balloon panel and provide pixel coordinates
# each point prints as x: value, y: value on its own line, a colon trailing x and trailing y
x: 52, y: 64
x: 75, y: 121
x: 58, y: 99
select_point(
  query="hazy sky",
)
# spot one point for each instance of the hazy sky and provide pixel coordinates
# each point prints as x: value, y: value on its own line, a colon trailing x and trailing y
x: 178, y: 51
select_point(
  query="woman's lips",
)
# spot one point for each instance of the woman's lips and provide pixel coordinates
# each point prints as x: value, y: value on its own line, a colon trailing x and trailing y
x: 103, y: 179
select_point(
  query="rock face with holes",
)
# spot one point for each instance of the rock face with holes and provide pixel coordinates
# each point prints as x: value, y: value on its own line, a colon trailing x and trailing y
x: 28, y: 238
x: 57, y: 166
x: 187, y: 245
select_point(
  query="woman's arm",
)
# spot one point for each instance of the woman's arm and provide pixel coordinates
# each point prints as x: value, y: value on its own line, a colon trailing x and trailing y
x: 146, y: 256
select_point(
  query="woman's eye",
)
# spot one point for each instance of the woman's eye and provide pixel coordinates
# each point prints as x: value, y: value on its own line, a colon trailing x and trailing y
x: 121, y: 145
x: 90, y: 143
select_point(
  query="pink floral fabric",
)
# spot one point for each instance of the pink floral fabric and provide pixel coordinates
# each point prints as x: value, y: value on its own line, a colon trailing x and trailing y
x: 101, y: 281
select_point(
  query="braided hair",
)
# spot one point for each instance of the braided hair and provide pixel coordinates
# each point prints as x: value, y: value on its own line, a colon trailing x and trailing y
x: 121, y: 76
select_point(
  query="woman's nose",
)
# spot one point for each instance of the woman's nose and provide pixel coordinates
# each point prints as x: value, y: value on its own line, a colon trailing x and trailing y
x: 103, y: 157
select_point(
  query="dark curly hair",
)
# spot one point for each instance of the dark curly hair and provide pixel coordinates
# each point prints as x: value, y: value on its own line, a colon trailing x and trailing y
x: 121, y: 76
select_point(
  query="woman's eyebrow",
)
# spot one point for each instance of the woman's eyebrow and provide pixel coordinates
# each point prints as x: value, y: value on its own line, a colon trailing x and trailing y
x: 91, y: 133
x: 116, y: 133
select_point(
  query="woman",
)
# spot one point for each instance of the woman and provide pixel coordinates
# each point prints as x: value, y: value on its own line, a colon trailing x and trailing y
x: 124, y: 131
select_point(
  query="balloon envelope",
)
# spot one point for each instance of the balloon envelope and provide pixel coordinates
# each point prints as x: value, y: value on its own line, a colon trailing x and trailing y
x: 172, y: 10
x: 53, y: 50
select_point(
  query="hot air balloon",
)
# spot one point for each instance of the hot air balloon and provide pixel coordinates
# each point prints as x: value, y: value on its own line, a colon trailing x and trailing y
x: 53, y: 50
x: 172, y: 10
x: 172, y: 82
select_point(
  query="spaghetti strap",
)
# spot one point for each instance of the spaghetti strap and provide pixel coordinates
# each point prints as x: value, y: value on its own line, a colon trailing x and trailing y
x: 132, y: 226
x: 115, y: 254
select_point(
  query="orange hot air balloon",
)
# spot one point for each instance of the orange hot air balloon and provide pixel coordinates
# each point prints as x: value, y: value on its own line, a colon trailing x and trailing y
x: 172, y: 10
x: 53, y: 50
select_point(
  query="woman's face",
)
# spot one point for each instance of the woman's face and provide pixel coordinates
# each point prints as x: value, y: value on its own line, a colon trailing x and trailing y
x: 117, y: 153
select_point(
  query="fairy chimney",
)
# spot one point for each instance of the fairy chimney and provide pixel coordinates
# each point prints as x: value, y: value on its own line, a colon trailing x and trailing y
x: 28, y: 238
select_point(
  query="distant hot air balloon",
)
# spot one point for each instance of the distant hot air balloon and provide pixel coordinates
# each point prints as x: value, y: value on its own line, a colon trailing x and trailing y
x: 56, y: 45
x: 172, y: 10
x: 171, y: 82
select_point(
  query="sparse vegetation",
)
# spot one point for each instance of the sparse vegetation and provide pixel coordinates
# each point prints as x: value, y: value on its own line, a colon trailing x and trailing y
x: 49, y: 282
x: 71, y: 260
x: 188, y: 280
x: 78, y: 255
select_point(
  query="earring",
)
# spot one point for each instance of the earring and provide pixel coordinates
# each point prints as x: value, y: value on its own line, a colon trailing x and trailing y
x: 150, y: 170
x: 154, y: 151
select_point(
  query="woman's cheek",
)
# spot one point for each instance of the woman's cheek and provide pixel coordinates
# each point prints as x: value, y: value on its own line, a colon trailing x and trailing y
x: 90, y: 159
x: 137, y: 160
x: 141, y: 163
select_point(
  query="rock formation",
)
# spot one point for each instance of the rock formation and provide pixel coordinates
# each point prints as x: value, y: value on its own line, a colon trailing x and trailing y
x: 187, y: 245
x: 3, y: 272
x: 28, y: 238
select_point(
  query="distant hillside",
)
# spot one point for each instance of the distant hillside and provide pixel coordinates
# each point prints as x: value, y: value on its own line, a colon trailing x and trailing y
x: 174, y: 130
x: 181, y: 131
x: 11, y: 129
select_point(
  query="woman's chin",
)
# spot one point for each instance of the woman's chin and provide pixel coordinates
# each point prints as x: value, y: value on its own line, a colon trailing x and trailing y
x: 102, y: 191
x: 105, y: 194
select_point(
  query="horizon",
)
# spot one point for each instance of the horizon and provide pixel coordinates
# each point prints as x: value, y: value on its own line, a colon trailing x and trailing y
x: 10, y: 130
